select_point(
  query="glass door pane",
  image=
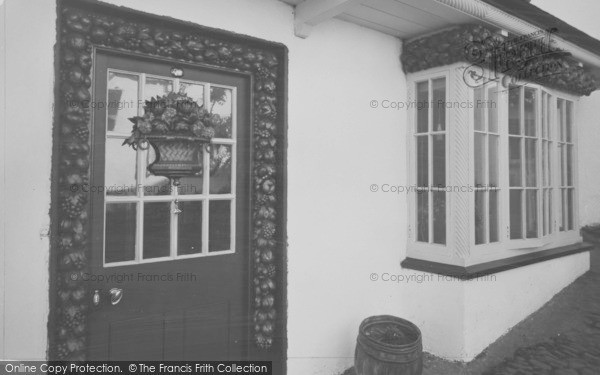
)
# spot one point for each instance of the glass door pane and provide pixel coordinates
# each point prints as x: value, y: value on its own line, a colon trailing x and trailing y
x: 119, y: 232
x: 122, y: 102
x: 189, y: 228
x: 422, y: 107
x: 219, y: 229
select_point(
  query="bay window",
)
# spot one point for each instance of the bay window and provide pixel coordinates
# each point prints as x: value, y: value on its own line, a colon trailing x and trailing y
x: 493, y: 167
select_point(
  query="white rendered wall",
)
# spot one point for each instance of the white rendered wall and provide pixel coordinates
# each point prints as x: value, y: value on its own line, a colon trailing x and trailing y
x: 2, y: 148
x: 588, y: 125
x: 494, y: 305
x: 340, y: 232
x: 26, y: 148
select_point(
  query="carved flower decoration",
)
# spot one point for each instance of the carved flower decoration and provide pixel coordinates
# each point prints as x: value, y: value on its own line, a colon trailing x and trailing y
x: 174, y: 114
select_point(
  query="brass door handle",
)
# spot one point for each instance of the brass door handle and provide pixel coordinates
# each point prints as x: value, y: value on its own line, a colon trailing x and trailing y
x: 116, y: 295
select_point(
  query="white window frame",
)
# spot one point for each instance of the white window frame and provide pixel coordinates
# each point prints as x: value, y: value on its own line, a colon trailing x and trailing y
x: 428, y: 249
x: 457, y: 90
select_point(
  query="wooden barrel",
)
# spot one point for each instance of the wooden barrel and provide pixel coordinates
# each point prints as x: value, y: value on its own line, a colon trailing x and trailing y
x: 388, y: 345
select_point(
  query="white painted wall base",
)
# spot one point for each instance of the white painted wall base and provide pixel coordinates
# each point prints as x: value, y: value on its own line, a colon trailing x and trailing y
x: 458, y: 319
x: 493, y: 307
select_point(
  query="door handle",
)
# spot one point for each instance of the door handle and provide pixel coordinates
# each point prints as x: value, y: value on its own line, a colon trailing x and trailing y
x: 116, y: 295
x: 96, y: 298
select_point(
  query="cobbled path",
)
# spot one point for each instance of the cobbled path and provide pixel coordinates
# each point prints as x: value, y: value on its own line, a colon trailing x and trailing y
x: 574, y: 352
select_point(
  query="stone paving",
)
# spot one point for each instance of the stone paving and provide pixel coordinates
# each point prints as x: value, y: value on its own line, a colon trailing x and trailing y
x: 575, y: 351
x: 559, y: 356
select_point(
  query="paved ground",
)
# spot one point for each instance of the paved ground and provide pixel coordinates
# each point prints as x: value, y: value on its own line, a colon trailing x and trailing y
x: 562, y: 338
x: 572, y: 324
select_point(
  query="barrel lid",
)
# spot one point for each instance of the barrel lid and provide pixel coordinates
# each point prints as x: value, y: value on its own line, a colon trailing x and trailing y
x: 390, y: 331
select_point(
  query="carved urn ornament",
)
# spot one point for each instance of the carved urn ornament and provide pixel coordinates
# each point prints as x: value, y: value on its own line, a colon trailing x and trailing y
x: 177, y: 128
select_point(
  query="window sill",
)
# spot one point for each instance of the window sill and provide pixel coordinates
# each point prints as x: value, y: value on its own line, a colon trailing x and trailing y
x: 487, y: 268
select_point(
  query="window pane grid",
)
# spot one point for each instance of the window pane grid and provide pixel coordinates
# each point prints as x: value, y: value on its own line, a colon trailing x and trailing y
x: 430, y: 142
x: 526, y: 168
x: 486, y: 165
x: 546, y: 158
x: 564, y: 109
x: 539, y: 189
x: 142, y: 200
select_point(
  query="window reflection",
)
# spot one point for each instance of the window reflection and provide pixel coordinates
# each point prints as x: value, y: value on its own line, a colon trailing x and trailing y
x: 122, y: 102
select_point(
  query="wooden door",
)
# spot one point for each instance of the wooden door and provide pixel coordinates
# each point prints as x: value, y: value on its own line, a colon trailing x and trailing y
x: 168, y: 285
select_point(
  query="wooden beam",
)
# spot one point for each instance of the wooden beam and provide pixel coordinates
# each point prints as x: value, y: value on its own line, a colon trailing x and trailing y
x: 312, y: 12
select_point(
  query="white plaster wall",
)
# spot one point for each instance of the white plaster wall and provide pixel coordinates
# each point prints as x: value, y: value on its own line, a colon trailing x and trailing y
x: 436, y: 304
x: 495, y: 304
x: 26, y: 148
x: 340, y: 233
x: 588, y: 125
x: 2, y: 147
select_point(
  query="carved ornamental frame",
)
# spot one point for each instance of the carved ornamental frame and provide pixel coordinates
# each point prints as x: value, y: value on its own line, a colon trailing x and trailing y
x: 82, y: 27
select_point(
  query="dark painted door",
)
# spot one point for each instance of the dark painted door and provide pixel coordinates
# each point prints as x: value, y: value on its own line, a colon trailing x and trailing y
x: 169, y: 265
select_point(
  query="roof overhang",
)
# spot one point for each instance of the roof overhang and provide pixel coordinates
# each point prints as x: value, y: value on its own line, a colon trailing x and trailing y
x: 400, y: 18
x: 411, y: 18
